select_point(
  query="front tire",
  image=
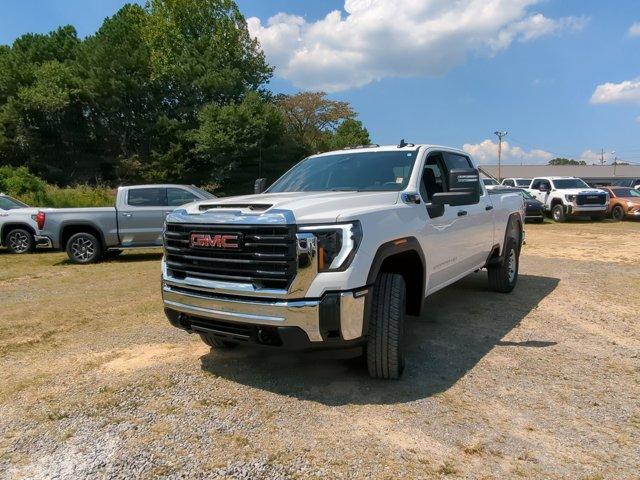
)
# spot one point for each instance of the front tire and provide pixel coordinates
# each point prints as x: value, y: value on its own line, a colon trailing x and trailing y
x: 617, y: 213
x: 557, y: 212
x: 84, y: 248
x: 504, y: 276
x: 384, y: 350
x: 19, y: 241
x: 217, y: 342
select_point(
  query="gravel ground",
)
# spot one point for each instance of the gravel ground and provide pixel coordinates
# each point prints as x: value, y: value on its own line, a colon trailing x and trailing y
x: 541, y: 383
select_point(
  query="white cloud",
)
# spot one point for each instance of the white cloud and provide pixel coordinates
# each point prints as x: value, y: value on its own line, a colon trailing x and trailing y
x: 590, y: 156
x: 634, y: 30
x: 374, y: 39
x: 623, y: 92
x: 486, y: 152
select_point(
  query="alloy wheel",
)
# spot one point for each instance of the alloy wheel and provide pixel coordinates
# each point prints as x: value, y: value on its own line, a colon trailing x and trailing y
x: 18, y: 241
x: 83, y: 248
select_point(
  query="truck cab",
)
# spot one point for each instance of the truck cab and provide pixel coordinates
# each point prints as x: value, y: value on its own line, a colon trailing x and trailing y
x: 337, y: 251
x: 564, y: 197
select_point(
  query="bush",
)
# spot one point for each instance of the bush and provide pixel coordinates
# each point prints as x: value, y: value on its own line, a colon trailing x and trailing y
x: 32, y: 190
x: 19, y: 182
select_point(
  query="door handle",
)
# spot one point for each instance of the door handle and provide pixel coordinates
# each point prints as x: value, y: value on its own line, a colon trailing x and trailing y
x: 462, y: 213
x: 127, y: 214
x: 488, y: 207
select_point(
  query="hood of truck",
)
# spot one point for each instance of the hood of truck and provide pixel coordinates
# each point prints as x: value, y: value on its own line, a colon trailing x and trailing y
x: 581, y: 191
x: 305, y: 207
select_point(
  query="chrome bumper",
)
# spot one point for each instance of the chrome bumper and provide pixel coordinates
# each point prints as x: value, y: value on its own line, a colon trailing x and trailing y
x: 301, y: 313
x: 42, y: 241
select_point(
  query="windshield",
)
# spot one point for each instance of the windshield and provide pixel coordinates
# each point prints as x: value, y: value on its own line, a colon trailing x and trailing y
x: 8, y: 203
x: 561, y: 184
x: 489, y: 181
x: 522, y: 182
x: 364, y: 171
x: 626, y: 192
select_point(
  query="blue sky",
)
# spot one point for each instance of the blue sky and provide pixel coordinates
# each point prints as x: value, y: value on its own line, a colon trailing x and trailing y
x: 562, y: 76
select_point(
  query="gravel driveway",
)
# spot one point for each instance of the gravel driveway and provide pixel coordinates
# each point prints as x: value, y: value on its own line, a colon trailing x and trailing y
x: 543, y: 383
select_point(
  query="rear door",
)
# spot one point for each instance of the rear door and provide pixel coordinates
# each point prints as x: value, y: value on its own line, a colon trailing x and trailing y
x: 141, y: 219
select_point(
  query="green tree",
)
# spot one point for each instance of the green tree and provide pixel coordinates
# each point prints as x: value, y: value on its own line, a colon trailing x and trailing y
x: 566, y: 161
x: 350, y: 133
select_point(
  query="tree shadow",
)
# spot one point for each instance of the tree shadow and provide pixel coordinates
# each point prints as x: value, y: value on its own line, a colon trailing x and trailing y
x: 461, y: 324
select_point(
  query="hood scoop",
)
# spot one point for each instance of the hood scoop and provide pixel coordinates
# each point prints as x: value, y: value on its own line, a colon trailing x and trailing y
x: 254, y: 207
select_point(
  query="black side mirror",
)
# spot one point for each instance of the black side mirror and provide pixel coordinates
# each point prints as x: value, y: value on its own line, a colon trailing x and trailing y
x: 260, y: 185
x: 464, y: 188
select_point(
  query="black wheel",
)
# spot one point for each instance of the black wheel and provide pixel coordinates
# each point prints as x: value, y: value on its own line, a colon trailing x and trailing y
x: 504, y: 276
x: 217, y: 342
x: 19, y: 241
x: 557, y: 213
x: 112, y: 254
x: 84, y: 248
x: 617, y: 213
x: 385, y: 356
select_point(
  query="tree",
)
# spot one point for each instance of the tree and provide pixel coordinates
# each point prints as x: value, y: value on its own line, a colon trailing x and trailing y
x: 311, y: 118
x: 566, y: 161
x: 236, y: 134
x: 350, y: 133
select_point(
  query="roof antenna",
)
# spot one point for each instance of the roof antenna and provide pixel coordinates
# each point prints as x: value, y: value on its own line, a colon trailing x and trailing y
x: 402, y: 144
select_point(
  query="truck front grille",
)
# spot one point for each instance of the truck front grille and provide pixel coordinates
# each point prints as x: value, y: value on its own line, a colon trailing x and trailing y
x: 591, y: 199
x: 266, y: 257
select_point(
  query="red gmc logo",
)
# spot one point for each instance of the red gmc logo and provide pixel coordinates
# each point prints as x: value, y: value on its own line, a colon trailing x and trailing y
x: 206, y: 240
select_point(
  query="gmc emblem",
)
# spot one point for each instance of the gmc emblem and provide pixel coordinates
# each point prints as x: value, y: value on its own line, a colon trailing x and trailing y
x: 218, y: 240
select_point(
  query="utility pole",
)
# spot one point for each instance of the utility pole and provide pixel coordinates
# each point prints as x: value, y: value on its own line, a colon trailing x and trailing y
x: 602, y: 156
x: 500, y: 135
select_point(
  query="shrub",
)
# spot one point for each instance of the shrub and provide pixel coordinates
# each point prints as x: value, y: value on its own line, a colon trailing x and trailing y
x: 20, y: 183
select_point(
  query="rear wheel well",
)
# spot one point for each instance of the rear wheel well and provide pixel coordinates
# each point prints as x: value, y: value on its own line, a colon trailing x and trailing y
x: 69, y: 230
x: 409, y: 265
x: 555, y: 202
x: 13, y: 226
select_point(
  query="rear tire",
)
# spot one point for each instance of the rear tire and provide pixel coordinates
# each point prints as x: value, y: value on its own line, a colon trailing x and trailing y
x: 217, y: 342
x: 557, y: 213
x: 617, y: 213
x: 83, y: 248
x: 19, y: 241
x: 504, y: 275
x: 384, y: 350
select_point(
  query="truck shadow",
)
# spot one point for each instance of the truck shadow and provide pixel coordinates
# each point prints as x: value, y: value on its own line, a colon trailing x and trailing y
x: 461, y: 324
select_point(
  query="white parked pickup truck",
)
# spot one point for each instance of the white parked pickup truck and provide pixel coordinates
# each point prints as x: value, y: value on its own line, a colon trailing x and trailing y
x: 569, y: 196
x: 338, y: 250
x: 19, y: 226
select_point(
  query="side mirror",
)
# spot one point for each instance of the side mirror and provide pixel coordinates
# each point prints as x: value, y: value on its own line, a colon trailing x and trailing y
x: 260, y: 185
x: 464, y: 189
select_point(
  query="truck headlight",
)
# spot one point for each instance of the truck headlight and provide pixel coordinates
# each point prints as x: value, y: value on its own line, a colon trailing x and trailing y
x: 337, y: 244
x: 570, y: 198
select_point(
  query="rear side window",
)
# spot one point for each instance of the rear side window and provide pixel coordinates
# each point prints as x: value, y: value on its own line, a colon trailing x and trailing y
x: 147, y: 197
x: 179, y: 196
x: 509, y: 183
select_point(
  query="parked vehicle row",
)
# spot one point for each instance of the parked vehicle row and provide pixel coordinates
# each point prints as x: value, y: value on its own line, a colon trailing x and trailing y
x: 564, y: 197
x: 89, y: 234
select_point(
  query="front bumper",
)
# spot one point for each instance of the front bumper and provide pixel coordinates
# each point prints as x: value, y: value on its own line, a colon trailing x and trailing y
x: 586, y: 209
x: 336, y: 319
x: 42, y: 241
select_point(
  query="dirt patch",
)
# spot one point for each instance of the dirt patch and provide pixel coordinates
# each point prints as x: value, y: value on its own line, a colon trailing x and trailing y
x: 144, y: 356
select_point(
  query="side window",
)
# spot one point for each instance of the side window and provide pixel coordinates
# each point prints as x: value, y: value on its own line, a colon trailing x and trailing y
x: 147, y: 197
x: 179, y: 196
x: 546, y: 183
x: 509, y: 183
x: 453, y: 161
x: 535, y: 185
x: 432, y: 177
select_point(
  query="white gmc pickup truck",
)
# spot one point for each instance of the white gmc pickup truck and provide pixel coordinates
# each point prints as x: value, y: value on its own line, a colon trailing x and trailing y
x: 337, y: 251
